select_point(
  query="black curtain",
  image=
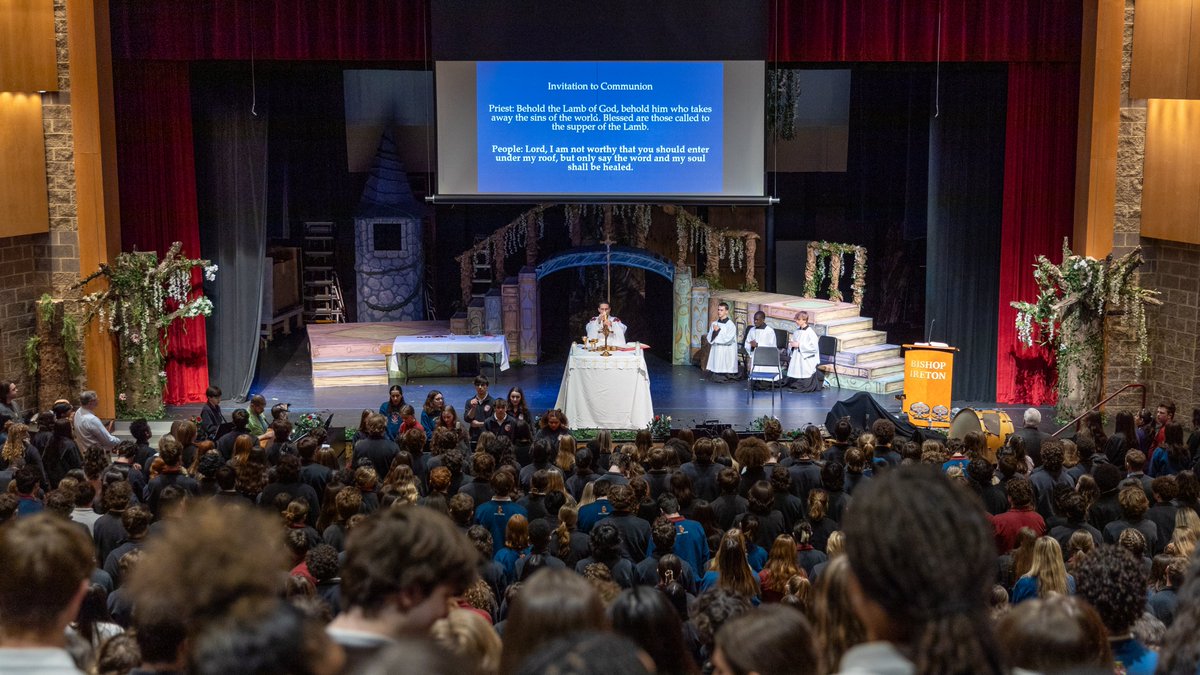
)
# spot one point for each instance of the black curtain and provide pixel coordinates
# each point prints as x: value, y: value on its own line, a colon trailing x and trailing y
x: 966, y: 186
x: 230, y: 127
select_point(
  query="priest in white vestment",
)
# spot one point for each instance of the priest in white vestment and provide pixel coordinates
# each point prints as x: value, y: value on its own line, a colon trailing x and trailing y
x: 723, y: 351
x: 805, y: 355
x: 605, y: 319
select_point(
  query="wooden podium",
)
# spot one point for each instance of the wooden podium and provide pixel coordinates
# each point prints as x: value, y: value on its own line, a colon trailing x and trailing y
x: 928, y: 380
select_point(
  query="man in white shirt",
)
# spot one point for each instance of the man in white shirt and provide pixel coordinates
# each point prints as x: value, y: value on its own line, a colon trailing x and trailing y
x: 722, y: 352
x: 604, y: 319
x: 90, y: 430
x: 47, y: 564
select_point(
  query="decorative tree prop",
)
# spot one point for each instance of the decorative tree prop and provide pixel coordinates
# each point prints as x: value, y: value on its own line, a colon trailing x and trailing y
x: 1068, y: 316
x: 825, y: 263
x: 144, y: 296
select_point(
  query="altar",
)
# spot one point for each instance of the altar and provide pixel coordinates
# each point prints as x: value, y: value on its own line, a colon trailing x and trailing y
x: 606, y: 392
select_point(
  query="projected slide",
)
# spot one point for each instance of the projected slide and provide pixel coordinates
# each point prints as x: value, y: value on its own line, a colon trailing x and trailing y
x: 600, y: 127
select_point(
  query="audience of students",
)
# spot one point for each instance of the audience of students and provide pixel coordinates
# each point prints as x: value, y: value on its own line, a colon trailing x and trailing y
x: 732, y: 555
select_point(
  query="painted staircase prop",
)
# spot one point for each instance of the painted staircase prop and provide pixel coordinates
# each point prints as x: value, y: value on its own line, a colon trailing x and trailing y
x: 865, y: 359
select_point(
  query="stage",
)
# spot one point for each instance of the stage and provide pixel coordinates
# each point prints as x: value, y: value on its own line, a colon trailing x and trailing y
x: 285, y: 374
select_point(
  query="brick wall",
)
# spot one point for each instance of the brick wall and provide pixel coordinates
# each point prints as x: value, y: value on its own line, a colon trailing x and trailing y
x: 24, y: 276
x: 1175, y: 327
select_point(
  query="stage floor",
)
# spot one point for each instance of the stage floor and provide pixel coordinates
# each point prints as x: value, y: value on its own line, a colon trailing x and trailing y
x: 285, y: 375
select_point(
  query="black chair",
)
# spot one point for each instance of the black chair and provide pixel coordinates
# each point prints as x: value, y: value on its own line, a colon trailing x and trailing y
x: 827, y: 345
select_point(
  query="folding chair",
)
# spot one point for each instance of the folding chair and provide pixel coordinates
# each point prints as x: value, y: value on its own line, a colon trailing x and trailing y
x: 765, y: 367
x: 827, y: 345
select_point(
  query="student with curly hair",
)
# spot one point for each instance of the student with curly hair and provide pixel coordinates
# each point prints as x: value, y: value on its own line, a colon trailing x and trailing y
x: 1113, y: 581
x: 932, y: 616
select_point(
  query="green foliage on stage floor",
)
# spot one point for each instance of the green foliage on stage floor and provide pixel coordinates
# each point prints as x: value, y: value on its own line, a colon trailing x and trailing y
x: 1074, y: 299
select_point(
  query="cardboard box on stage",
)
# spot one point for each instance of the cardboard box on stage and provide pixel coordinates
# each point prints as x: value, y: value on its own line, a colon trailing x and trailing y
x: 285, y: 278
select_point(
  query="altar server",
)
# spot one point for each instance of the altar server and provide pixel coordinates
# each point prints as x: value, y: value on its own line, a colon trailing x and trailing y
x: 605, y: 319
x: 802, y: 369
x: 722, y: 353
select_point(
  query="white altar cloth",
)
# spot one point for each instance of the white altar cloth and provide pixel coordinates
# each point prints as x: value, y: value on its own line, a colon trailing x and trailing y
x: 606, y: 392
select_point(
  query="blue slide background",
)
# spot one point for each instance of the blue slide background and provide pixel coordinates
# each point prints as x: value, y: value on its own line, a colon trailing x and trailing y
x: 524, y: 83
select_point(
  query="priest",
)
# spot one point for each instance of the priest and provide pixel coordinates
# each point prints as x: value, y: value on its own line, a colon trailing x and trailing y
x: 722, y: 353
x: 805, y: 356
x: 603, y: 322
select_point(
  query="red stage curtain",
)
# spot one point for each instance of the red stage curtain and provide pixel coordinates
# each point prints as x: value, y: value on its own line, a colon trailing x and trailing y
x: 335, y: 30
x: 1039, y: 202
x: 157, y: 176
x: 906, y: 30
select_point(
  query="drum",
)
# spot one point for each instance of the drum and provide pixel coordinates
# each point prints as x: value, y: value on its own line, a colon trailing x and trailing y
x: 995, y: 425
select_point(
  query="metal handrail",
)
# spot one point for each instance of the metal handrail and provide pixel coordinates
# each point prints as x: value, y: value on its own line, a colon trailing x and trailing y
x: 1136, y: 385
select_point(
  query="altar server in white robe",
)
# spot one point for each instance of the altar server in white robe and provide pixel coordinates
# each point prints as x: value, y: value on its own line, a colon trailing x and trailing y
x: 722, y: 352
x: 603, y: 319
x: 805, y: 355
x: 760, y: 336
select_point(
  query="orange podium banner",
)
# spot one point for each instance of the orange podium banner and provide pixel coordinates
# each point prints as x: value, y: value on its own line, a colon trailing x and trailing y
x: 928, y: 383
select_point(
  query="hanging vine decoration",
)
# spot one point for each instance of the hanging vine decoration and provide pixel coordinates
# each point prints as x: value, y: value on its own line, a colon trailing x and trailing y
x: 783, y: 89
x: 573, y: 214
x: 1074, y: 297
x: 683, y: 237
x: 825, y: 263
x: 736, y: 246
x: 143, y: 297
x: 505, y: 241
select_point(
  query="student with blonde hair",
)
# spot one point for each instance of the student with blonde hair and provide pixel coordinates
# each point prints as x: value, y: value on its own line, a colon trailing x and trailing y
x: 465, y: 633
x: 1047, y: 576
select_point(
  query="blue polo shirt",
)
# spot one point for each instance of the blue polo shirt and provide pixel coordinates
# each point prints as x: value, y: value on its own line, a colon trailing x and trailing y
x: 690, y: 543
x: 494, y: 516
x: 593, y: 513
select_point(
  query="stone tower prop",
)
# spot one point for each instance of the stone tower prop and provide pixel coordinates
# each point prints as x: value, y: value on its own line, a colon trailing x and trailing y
x: 389, y: 256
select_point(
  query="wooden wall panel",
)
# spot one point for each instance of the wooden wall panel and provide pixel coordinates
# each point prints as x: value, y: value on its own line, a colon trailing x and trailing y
x: 1166, y: 49
x: 1099, y: 124
x: 94, y: 136
x: 24, y: 206
x: 28, y: 61
x: 1171, y: 178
